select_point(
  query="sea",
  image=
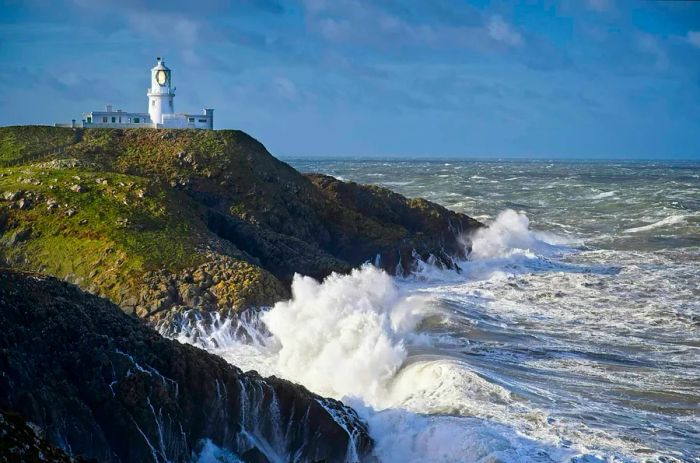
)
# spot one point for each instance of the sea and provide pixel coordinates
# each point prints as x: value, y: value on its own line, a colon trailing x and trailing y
x: 571, y: 332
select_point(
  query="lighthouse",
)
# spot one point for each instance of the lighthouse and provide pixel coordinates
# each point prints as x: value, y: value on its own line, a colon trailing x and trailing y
x: 161, y: 94
x: 161, y: 109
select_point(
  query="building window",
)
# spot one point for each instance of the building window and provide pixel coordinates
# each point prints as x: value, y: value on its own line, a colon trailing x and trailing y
x: 191, y: 119
x: 153, y: 102
x: 202, y: 120
x: 89, y: 119
x: 136, y: 120
x: 114, y: 119
x: 104, y: 119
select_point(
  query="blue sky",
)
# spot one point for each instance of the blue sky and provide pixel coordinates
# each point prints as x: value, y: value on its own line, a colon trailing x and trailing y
x: 572, y: 78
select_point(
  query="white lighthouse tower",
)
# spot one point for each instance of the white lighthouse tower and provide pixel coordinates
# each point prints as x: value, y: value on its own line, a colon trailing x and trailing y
x: 161, y: 93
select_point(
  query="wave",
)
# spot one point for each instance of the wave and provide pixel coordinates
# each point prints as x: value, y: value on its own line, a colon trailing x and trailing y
x: 408, y: 182
x: 510, y: 234
x: 670, y: 220
x: 345, y: 337
x: 352, y: 337
x: 603, y: 195
x: 366, y: 338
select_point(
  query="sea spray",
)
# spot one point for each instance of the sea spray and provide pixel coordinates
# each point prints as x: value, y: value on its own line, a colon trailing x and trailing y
x: 426, y: 359
x: 507, y: 234
x: 510, y: 234
x: 345, y: 336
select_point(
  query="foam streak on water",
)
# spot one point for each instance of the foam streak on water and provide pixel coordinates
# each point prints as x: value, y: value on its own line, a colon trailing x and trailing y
x: 578, y: 341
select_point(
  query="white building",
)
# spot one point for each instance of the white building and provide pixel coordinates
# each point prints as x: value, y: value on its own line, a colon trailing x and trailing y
x: 161, y: 109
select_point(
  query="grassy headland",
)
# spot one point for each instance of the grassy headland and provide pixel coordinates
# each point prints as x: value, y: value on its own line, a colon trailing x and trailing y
x: 158, y: 220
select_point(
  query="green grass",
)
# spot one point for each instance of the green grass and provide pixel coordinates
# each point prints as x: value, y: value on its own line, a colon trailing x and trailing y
x: 19, y: 141
x: 114, y: 231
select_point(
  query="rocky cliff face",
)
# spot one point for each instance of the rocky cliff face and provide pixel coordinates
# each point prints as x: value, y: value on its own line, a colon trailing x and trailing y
x: 102, y: 384
x: 161, y: 220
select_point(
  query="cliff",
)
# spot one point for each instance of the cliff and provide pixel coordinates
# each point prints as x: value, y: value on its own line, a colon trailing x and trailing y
x: 159, y: 220
x: 101, y: 384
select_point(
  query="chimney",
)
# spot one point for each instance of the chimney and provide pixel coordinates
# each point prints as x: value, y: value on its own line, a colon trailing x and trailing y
x: 109, y: 108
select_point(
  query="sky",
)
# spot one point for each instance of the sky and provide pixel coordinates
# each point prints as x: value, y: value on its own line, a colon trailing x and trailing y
x: 382, y: 78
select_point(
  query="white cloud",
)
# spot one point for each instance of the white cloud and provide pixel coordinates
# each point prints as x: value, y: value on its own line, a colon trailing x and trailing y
x: 501, y: 31
x: 651, y: 45
x: 694, y: 38
x: 285, y: 89
x: 599, y: 5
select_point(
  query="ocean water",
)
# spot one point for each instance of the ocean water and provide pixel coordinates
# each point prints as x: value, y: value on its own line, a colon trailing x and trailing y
x: 572, y: 333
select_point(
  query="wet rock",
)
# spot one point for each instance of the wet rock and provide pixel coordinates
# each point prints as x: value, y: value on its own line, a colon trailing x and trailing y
x: 100, y: 382
x: 23, y: 442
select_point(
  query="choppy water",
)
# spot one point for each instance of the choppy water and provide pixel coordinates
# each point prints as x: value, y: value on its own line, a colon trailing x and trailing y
x: 573, y: 333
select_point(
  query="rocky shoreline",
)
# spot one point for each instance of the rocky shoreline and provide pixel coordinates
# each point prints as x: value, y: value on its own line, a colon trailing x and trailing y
x: 101, y: 384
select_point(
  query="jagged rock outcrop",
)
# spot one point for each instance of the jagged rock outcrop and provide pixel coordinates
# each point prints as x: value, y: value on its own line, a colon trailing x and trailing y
x: 421, y: 229
x: 102, y: 384
x: 129, y: 214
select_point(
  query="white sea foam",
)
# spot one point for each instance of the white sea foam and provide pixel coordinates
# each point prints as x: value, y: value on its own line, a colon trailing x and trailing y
x: 211, y: 453
x: 397, y: 183
x: 510, y: 234
x: 413, y: 438
x: 603, y: 195
x: 351, y: 337
x: 346, y: 336
x: 670, y: 220
x: 366, y: 338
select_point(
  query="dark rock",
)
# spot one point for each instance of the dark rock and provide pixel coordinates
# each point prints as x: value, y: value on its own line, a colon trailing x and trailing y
x: 19, y: 236
x: 24, y: 203
x: 12, y: 195
x: 22, y: 442
x: 102, y: 384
